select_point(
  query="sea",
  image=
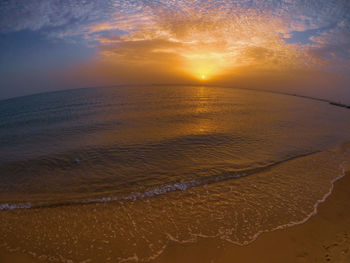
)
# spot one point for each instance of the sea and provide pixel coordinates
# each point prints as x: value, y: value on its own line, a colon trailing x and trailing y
x: 120, y: 173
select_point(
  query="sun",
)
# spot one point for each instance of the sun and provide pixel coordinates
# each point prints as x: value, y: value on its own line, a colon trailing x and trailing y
x: 203, y: 77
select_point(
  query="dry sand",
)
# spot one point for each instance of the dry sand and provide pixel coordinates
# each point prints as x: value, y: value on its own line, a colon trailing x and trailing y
x: 323, y: 238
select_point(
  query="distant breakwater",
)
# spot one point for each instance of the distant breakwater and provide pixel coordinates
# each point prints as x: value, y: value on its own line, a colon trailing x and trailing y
x: 340, y: 105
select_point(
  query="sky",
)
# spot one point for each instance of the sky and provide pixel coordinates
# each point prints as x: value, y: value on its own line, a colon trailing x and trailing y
x: 298, y: 46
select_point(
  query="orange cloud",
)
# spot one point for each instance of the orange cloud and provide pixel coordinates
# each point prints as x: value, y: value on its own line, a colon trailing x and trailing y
x: 211, y: 41
x: 192, y: 40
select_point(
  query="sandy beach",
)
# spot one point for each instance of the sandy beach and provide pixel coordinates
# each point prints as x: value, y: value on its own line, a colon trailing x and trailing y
x: 323, y: 238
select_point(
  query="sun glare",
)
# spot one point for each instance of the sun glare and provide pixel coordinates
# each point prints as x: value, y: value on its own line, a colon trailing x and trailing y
x: 203, y: 66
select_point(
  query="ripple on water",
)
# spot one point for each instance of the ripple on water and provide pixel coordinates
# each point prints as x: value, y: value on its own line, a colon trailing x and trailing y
x: 236, y: 210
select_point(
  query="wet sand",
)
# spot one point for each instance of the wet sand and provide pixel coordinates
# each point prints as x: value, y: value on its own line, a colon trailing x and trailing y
x: 323, y: 238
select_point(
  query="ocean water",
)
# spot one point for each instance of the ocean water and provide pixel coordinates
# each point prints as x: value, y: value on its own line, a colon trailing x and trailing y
x: 117, y: 174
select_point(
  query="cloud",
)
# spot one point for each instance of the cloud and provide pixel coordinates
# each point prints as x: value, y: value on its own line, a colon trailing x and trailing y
x: 205, y: 37
x: 37, y: 15
x: 195, y: 36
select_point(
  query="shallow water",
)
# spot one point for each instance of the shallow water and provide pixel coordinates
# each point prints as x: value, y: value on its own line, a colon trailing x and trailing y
x: 118, y: 173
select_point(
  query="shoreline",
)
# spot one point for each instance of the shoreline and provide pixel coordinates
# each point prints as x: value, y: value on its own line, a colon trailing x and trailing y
x: 164, y: 189
x: 323, y: 237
